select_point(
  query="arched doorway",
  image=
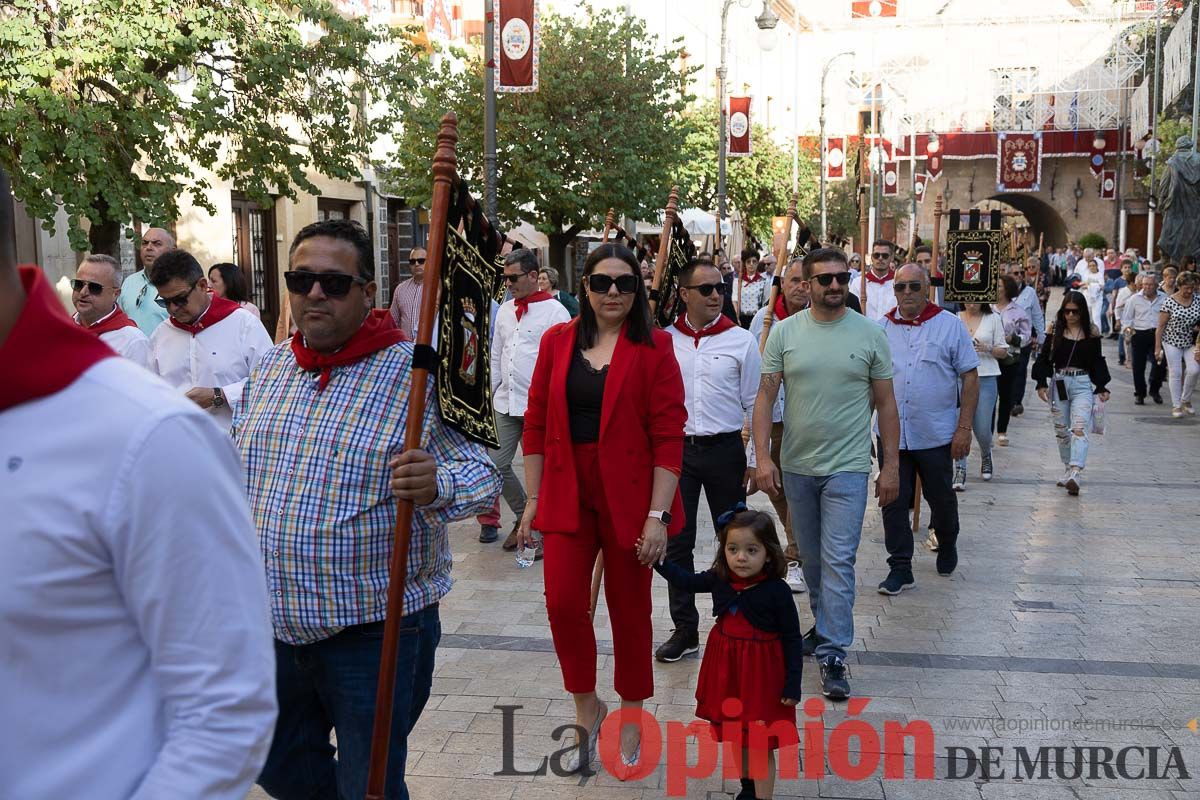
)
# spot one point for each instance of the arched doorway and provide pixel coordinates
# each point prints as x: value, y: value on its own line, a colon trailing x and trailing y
x: 1043, y: 218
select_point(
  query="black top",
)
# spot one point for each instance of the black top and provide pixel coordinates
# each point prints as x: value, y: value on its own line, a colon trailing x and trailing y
x: 585, y: 398
x: 767, y: 605
x: 1072, y: 354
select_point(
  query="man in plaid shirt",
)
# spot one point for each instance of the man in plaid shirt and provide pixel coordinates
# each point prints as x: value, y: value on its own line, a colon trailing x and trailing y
x: 321, y: 432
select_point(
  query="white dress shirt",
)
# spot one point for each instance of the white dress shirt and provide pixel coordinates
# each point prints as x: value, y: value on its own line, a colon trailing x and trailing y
x: 217, y: 357
x: 881, y: 297
x: 129, y: 342
x: 720, y: 379
x: 515, y: 351
x: 1140, y: 312
x: 136, y: 658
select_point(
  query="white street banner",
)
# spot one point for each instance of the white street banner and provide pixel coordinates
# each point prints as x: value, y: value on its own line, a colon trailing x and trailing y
x: 1177, y: 58
x: 1139, y: 112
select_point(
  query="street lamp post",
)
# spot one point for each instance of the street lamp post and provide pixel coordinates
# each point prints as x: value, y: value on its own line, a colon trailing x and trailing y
x: 766, y: 21
x: 824, y: 75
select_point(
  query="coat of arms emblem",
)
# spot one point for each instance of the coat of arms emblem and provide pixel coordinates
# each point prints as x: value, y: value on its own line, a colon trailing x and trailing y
x: 972, y: 266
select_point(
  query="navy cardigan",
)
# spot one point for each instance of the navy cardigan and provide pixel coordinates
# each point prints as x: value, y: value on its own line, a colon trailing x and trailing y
x: 767, y: 605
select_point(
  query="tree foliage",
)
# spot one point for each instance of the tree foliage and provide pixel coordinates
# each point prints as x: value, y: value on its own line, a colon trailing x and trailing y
x: 115, y: 108
x: 603, y: 130
x: 758, y: 185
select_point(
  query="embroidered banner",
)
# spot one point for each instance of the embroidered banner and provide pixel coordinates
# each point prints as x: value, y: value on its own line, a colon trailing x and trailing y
x: 974, y: 257
x: 739, y: 126
x: 681, y: 251
x: 1019, y: 163
x: 835, y: 158
x: 1108, y: 185
x: 516, y: 40
x: 464, y: 375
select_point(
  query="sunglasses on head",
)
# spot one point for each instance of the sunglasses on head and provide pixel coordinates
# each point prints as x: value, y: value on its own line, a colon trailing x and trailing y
x: 706, y: 289
x: 177, y: 300
x: 907, y: 286
x: 827, y: 278
x: 600, y: 284
x: 92, y: 286
x: 333, y: 284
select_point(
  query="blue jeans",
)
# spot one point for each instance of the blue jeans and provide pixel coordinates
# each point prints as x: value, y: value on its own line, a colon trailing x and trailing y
x: 827, y: 516
x: 1071, y: 415
x: 330, y: 685
x: 984, y: 412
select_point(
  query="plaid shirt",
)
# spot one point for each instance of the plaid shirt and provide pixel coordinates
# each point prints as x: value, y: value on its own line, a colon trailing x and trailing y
x: 406, y: 306
x: 319, y: 486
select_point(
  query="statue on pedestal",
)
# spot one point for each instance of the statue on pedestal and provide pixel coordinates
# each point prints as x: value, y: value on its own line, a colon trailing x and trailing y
x: 1179, y: 201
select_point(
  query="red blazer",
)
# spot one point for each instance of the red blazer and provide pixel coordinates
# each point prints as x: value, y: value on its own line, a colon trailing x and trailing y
x: 641, y: 427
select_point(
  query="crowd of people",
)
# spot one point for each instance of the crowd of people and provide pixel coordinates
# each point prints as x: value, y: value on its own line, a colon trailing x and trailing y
x: 226, y: 664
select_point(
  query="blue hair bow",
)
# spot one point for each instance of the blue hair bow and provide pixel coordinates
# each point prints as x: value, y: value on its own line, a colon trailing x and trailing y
x: 725, y: 518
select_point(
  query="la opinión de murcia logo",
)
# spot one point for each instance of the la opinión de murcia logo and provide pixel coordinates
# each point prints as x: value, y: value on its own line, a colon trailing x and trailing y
x: 854, y: 750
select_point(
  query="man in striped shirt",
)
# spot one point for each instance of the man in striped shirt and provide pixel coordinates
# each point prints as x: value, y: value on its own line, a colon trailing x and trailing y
x: 406, y: 300
x: 321, y: 433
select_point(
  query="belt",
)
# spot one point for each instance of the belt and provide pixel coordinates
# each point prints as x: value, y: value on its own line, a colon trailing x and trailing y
x: 715, y: 438
x: 1072, y: 371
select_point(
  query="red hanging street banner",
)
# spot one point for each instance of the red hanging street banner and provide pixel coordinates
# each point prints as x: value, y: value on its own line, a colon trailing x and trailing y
x: 1108, y: 185
x: 739, y: 126
x: 1096, y: 159
x: 922, y: 182
x: 891, y: 179
x: 516, y: 42
x: 1019, y: 162
x: 835, y: 158
x: 872, y: 8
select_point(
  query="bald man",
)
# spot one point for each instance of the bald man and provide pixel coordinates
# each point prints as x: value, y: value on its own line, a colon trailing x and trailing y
x: 139, y: 298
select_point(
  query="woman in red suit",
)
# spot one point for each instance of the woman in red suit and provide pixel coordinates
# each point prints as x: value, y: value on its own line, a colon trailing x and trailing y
x: 603, y: 442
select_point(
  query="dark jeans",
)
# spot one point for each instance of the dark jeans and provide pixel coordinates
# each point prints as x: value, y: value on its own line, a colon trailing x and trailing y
x: 330, y: 685
x: 1020, y: 379
x: 934, y: 466
x: 1143, y: 351
x: 1004, y: 394
x: 717, y: 465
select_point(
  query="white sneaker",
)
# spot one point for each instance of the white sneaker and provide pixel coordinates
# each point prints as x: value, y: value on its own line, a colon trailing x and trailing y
x: 1073, y: 482
x: 931, y: 541
x: 795, y: 578
x: 1002, y: 439
x: 1176, y: 412
x: 1065, y: 476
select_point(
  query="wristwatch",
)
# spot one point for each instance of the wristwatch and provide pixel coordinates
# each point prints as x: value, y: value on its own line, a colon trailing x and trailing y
x: 218, y: 398
x: 662, y: 516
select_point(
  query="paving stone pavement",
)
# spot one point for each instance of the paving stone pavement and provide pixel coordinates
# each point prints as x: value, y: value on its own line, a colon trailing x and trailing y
x: 1069, y: 622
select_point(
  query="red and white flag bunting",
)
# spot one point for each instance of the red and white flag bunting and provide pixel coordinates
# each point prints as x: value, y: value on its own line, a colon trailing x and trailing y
x: 835, y: 158
x: 919, y: 188
x: 739, y: 126
x: 516, y: 43
x: 891, y: 178
x: 1108, y: 185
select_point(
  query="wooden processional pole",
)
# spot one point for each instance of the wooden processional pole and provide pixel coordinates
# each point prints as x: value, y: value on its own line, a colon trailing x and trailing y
x: 445, y: 166
x: 664, y: 248
x: 781, y: 259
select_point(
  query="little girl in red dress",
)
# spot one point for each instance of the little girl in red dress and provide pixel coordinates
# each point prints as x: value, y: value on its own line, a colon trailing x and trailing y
x: 754, y: 652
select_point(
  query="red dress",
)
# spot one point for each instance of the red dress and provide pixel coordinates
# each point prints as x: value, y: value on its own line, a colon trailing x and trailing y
x: 743, y: 662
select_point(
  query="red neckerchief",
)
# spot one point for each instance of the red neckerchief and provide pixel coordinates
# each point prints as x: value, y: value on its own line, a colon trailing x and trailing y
x: 523, y: 303
x: 218, y: 309
x: 377, y: 332
x: 757, y: 277
x: 931, y: 310
x: 873, y: 278
x: 740, y: 585
x: 719, y: 325
x: 781, y: 311
x: 113, y: 321
x: 64, y: 350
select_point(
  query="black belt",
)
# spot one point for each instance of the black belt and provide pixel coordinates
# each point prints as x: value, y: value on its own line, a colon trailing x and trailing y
x: 716, y: 438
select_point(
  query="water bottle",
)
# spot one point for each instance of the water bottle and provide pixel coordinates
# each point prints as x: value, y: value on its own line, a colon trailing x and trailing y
x: 526, y: 555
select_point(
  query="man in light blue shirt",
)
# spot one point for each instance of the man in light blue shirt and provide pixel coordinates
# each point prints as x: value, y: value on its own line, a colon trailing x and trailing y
x: 931, y: 353
x: 139, y: 298
x: 1027, y: 300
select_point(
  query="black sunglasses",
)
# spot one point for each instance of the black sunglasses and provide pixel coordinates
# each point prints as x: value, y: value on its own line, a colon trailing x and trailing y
x: 92, y: 286
x: 907, y: 286
x: 600, y: 284
x: 1068, y: 310
x: 333, y: 284
x: 827, y: 278
x: 884, y: 256
x: 416, y: 261
x: 177, y: 300
x: 706, y: 289
x: 517, y: 277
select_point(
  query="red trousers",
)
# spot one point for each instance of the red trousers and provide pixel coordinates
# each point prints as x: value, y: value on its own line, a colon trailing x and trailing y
x: 569, y: 560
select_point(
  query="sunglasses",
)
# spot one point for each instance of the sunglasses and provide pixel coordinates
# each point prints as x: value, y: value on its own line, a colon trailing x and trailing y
x: 827, y: 278
x: 517, y: 277
x: 907, y: 286
x: 706, y: 289
x: 92, y: 286
x: 600, y: 284
x: 1070, y: 310
x: 333, y: 284
x: 884, y: 256
x: 177, y: 300
x: 416, y: 261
